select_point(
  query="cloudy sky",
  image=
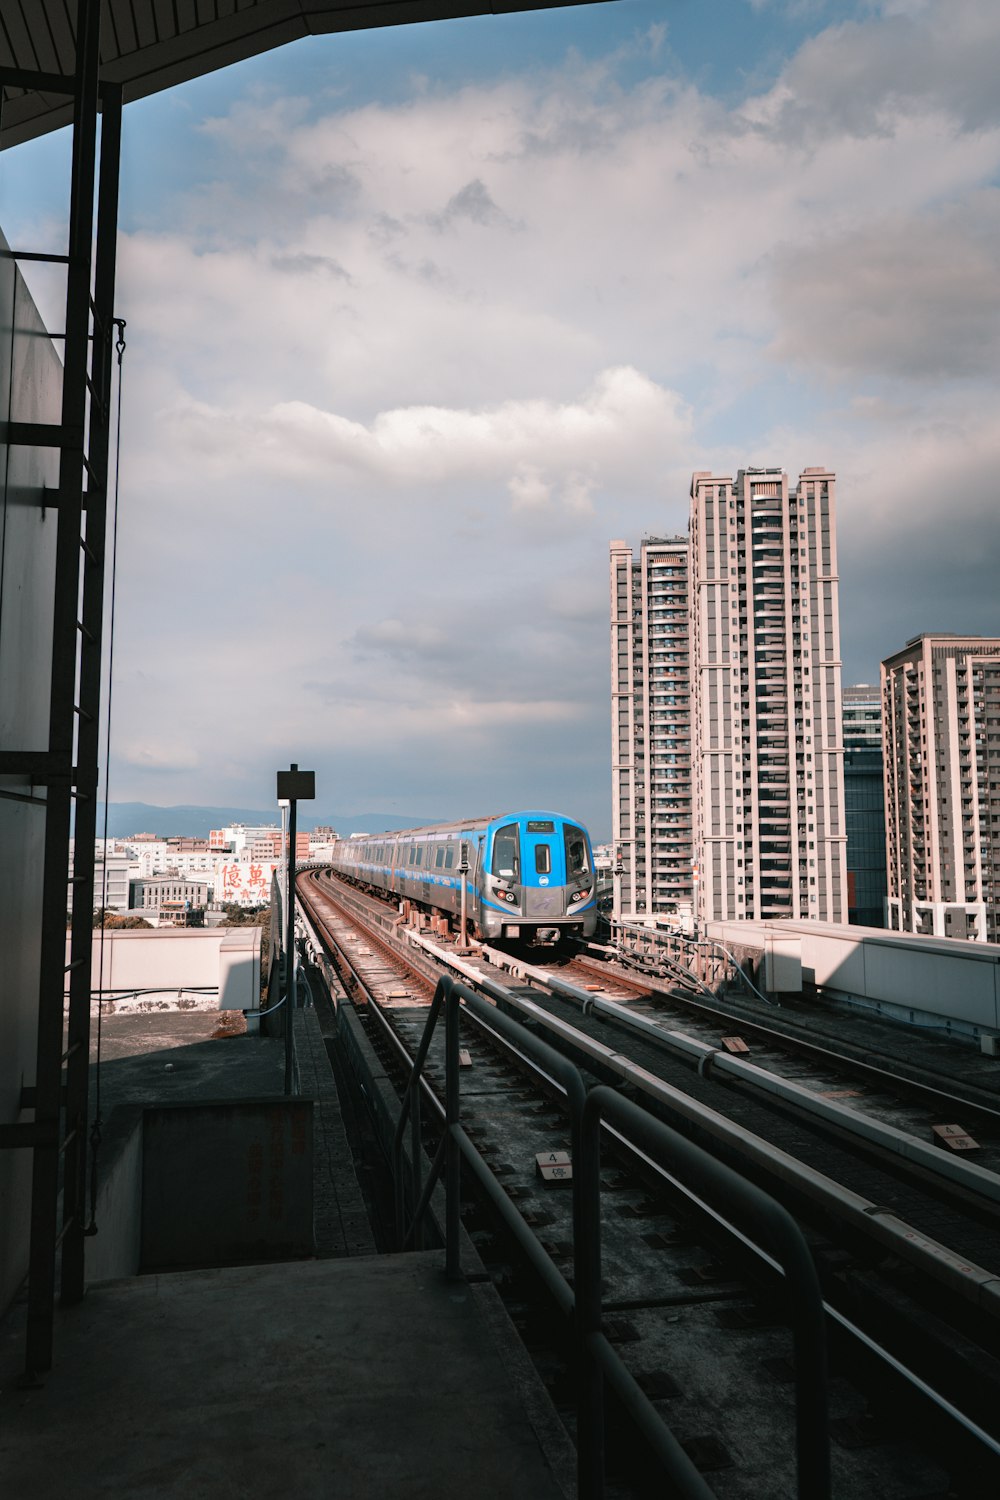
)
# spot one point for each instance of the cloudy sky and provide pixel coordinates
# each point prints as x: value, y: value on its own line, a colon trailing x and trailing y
x: 419, y: 320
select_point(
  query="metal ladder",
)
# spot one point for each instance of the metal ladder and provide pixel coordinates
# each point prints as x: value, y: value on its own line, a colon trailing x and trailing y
x: 62, y: 779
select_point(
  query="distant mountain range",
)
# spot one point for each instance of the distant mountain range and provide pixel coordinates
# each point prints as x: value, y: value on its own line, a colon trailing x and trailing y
x: 126, y: 818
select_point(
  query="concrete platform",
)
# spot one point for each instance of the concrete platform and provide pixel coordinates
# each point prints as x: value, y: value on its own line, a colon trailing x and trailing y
x: 355, y: 1379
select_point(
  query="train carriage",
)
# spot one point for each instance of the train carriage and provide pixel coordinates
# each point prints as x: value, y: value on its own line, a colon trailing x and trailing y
x: 529, y: 875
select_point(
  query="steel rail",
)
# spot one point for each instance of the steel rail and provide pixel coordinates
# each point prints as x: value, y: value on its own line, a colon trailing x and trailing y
x: 974, y: 1283
x: 976, y: 1179
x: 883, y: 1076
x: 599, y: 1360
x: 895, y: 1232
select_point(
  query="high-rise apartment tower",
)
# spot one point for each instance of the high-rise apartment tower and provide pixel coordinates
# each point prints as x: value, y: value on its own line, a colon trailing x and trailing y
x: 768, y: 765
x: 651, y: 727
x: 941, y: 711
x: 753, y: 675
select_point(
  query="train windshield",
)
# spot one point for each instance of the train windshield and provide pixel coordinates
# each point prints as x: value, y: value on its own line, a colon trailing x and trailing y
x: 577, y: 858
x: 506, y: 852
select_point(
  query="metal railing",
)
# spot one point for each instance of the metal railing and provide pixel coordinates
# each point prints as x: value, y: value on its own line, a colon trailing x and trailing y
x: 599, y: 1364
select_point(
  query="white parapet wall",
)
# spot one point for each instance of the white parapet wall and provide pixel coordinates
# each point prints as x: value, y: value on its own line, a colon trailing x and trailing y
x: 176, y: 968
x: 950, y: 983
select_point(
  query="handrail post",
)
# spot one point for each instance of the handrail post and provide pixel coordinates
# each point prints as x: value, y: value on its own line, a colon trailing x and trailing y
x: 416, y: 1151
x: 416, y: 1072
x: 586, y: 1141
x: 453, y: 1162
x: 812, y: 1443
x: 780, y: 1233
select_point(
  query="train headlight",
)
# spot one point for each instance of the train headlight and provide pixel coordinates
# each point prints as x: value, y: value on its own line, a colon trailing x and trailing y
x: 588, y: 890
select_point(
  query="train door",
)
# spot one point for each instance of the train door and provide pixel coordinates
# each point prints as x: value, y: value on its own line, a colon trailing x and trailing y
x: 543, y: 857
x: 472, y: 847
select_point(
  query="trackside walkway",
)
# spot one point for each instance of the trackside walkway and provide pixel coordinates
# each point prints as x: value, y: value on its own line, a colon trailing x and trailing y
x: 353, y: 1376
x: 354, y: 1379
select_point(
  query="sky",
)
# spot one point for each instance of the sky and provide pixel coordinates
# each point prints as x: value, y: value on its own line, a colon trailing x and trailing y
x: 419, y: 320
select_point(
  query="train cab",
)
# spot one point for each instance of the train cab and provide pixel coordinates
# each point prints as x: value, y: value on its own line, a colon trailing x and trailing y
x: 538, y: 879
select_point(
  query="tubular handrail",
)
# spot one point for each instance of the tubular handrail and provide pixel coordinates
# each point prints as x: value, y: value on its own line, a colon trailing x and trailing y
x: 755, y: 1210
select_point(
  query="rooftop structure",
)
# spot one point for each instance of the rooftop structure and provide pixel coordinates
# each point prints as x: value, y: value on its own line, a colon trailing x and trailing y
x: 941, y: 710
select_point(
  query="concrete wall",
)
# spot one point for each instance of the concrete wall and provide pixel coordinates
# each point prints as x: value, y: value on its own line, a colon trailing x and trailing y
x: 227, y: 1184
x: 196, y: 1184
x: 148, y: 967
x: 30, y: 391
x: 116, y: 1249
x: 957, y: 981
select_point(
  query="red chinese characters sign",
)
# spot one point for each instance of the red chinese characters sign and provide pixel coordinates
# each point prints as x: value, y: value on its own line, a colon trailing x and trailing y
x: 245, y: 884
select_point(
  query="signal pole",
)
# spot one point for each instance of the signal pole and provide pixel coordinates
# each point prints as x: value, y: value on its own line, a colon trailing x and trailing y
x: 293, y: 784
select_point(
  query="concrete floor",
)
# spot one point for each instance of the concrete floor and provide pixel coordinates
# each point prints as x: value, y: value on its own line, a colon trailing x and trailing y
x: 354, y: 1379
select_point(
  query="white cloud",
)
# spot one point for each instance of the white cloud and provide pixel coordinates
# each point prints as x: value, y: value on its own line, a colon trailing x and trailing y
x: 411, y: 365
x: 623, y: 414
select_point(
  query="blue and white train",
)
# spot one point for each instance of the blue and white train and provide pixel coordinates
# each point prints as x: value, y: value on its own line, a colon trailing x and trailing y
x: 529, y: 877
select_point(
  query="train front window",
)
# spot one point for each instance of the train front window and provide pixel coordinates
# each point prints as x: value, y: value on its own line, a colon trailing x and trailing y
x: 506, y: 852
x: 577, y: 859
x: 543, y: 859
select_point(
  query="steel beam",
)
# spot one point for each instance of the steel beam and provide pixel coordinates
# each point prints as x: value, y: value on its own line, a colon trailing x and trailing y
x: 88, y: 738
x: 62, y: 727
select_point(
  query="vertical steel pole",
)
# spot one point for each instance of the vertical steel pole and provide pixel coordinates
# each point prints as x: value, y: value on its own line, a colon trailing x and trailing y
x: 453, y: 1159
x: 290, y: 948
x: 416, y: 1151
x: 62, y: 696
x: 88, y: 748
x: 586, y: 1141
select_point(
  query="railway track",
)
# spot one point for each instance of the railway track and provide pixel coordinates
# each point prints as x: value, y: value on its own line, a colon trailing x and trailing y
x: 691, y: 1307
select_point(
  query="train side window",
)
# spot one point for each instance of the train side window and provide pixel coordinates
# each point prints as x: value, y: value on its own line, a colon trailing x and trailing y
x: 439, y: 857
x: 420, y: 855
x: 506, y: 852
x: 543, y: 859
x: 449, y: 857
x: 577, y: 861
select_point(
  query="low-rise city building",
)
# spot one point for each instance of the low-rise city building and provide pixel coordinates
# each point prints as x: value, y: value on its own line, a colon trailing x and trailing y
x: 168, y: 898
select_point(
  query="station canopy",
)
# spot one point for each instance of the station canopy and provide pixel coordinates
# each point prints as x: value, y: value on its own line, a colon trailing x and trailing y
x: 149, y: 45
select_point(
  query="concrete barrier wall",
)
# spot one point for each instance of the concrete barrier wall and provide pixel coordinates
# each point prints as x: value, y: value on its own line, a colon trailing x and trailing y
x: 943, y: 977
x: 115, y: 1250
x: 153, y: 966
x: 949, y: 984
x: 227, y: 1183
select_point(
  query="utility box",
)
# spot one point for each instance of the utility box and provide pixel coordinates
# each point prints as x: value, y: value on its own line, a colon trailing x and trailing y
x: 783, y: 965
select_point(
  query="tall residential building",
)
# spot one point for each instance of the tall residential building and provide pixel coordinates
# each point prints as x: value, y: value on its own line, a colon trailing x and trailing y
x: 746, y: 818
x: 941, y: 711
x: 864, y: 805
x: 769, y: 776
x: 650, y: 727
